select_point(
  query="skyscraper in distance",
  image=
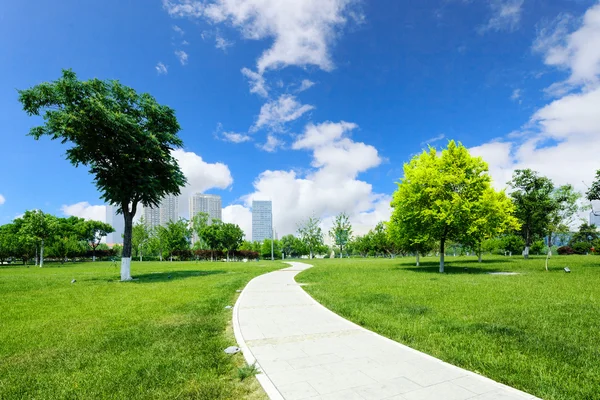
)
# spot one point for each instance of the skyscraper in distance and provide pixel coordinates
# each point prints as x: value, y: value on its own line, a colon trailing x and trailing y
x: 206, y: 203
x: 595, y: 218
x: 151, y: 217
x: 262, y: 220
x: 117, y: 222
x: 169, y: 209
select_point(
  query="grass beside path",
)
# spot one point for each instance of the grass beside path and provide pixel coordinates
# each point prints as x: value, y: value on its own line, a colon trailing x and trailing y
x: 537, y: 331
x: 160, y: 337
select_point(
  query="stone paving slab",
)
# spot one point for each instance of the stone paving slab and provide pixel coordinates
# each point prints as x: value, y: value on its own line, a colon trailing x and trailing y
x: 305, y: 351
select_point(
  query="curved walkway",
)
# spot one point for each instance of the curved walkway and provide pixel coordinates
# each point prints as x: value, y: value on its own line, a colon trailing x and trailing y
x: 308, y: 352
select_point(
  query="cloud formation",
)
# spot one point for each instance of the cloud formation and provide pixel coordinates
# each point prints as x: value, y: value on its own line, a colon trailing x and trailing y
x: 2, y: 200
x: 182, y: 56
x: 161, y: 69
x: 275, y: 114
x: 85, y: 210
x: 302, y: 31
x: 332, y: 186
x: 506, y: 16
x: 560, y: 138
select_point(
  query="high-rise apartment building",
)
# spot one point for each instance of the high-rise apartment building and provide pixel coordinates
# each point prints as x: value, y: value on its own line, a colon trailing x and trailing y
x: 169, y: 209
x: 117, y: 222
x: 151, y: 217
x: 595, y: 218
x: 262, y: 220
x: 206, y: 203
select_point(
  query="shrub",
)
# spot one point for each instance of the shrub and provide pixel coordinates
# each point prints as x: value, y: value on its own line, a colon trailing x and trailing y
x: 565, y: 251
x: 513, y: 243
x: 538, y: 247
x: 581, y: 247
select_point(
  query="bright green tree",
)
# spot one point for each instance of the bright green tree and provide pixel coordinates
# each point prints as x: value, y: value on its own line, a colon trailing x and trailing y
x: 265, y: 249
x: 232, y: 237
x: 291, y: 246
x: 199, y: 221
x: 125, y: 139
x: 437, y: 198
x: 140, y: 235
x: 178, y: 236
x: 534, y: 205
x: 341, y: 232
x: 493, y: 215
x: 211, y: 234
x: 93, y: 232
x: 40, y: 227
x: 311, y: 235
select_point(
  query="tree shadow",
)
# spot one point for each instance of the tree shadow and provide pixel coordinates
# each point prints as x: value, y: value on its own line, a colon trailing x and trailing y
x: 153, y: 277
x: 459, y: 267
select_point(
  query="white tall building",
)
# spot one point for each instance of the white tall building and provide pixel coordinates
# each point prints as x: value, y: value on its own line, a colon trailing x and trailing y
x: 117, y: 222
x: 595, y: 218
x: 169, y: 210
x: 262, y: 220
x: 206, y: 203
x: 151, y: 217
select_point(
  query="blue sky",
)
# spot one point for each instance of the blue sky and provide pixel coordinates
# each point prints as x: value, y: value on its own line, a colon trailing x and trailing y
x: 515, y: 80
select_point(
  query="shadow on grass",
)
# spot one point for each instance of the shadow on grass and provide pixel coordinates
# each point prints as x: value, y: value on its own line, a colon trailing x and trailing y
x: 172, y: 275
x: 153, y: 277
x: 434, y: 268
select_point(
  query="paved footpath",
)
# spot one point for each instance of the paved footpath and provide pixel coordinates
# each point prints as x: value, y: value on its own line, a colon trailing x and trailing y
x: 308, y: 352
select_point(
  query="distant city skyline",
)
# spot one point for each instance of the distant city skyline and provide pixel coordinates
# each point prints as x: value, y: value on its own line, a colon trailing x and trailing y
x: 206, y: 203
x: 262, y: 220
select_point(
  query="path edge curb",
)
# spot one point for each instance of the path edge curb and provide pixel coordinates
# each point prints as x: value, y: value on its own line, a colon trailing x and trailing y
x: 262, y: 378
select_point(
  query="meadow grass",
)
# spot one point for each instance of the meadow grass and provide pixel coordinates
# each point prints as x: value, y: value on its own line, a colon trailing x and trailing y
x: 537, y: 331
x: 160, y: 337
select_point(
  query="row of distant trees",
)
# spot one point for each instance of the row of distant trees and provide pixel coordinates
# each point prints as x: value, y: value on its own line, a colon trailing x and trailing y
x: 37, y: 235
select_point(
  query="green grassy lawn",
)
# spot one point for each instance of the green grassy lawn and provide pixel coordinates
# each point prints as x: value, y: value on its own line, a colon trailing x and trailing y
x: 158, y: 337
x: 537, y: 331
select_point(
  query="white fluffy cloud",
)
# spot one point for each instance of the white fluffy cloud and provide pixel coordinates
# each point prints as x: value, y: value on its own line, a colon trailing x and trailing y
x: 2, y: 200
x: 330, y: 188
x: 257, y: 82
x: 560, y: 139
x: 579, y: 51
x: 235, y: 137
x: 182, y: 56
x: 161, y: 69
x: 271, y: 145
x: 506, y: 15
x: 238, y: 214
x: 274, y: 114
x: 302, y: 31
x: 85, y: 210
x: 305, y: 85
x: 201, y: 175
x: 222, y: 43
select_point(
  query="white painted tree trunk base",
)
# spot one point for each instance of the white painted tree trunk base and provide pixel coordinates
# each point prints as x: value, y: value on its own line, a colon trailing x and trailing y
x: 125, y: 269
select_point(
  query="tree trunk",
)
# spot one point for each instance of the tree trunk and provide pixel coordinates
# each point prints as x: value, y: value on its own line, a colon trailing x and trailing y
x: 442, y: 248
x: 94, y: 255
x: 42, y: 254
x: 418, y: 261
x: 527, y: 244
x: 479, y: 252
x: 126, y: 256
x: 36, y: 256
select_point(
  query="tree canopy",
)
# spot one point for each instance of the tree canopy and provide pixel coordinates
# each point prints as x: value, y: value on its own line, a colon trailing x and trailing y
x: 341, y: 231
x: 124, y: 138
x: 311, y: 234
x: 441, y: 197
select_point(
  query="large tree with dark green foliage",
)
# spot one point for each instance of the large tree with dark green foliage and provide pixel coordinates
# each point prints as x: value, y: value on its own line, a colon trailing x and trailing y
x: 593, y: 193
x: 439, y: 197
x: 311, y: 235
x: 535, y: 207
x: 125, y: 139
x: 291, y: 246
x: 341, y: 231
